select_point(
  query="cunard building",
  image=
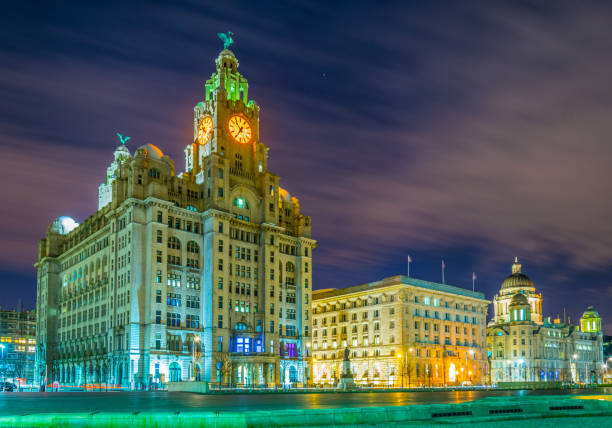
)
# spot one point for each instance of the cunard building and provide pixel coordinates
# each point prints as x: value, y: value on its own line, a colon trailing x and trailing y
x: 201, y: 274
x: 524, y: 346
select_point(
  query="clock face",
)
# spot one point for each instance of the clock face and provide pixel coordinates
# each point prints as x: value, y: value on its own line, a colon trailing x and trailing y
x: 240, y: 129
x: 205, y: 129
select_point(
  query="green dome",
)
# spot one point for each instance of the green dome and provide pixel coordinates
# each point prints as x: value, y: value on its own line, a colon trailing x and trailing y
x: 590, y: 313
x: 517, y: 279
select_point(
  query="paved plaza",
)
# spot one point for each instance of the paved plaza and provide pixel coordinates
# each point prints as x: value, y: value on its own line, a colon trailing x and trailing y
x: 79, y: 402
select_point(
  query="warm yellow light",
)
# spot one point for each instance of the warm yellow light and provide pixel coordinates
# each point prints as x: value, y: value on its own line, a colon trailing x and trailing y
x: 411, y: 349
x: 239, y: 129
x: 205, y: 129
x: 470, y: 373
x: 399, y: 355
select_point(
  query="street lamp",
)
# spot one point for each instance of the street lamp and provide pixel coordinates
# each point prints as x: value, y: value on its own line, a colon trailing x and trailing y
x: 4, y: 365
x: 399, y: 357
x: 196, y: 339
x: 471, y: 352
x: 306, y: 369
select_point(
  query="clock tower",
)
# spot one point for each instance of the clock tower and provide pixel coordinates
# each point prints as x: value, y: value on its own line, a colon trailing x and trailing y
x: 226, y: 122
x: 256, y: 244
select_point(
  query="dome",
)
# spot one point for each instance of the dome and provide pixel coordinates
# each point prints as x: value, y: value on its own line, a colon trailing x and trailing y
x: 517, y: 279
x: 122, y: 149
x: 519, y: 299
x: 590, y: 313
x: 285, y: 195
x: 153, y: 152
x: 64, y: 225
x: 121, y: 152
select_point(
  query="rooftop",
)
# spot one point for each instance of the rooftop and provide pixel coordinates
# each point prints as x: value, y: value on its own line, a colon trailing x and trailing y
x: 397, y: 280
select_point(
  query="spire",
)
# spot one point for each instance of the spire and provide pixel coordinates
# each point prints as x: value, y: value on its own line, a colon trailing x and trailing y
x: 227, y: 77
x: 516, y: 266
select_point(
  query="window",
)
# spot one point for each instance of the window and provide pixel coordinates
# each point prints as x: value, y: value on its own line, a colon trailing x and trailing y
x: 158, y: 315
x: 220, y: 192
x: 220, y: 302
x: 220, y: 173
x: 159, y: 217
x: 159, y: 237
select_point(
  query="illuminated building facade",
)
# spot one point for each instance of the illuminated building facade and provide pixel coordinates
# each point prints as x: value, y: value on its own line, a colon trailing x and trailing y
x: 400, y: 331
x: 525, y: 347
x: 17, y: 346
x: 204, y: 274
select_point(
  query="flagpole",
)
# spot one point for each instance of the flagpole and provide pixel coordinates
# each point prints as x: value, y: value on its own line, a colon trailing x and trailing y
x: 409, y: 260
x: 443, y: 266
x: 473, y: 280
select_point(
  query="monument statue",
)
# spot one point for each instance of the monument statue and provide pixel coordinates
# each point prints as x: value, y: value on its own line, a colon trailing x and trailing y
x: 123, y: 138
x: 346, y: 378
x: 226, y: 39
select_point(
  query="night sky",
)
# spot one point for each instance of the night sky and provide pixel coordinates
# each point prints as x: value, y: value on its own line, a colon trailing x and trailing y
x: 466, y: 131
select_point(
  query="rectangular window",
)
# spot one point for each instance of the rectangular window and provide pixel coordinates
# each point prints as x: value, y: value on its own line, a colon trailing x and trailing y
x: 220, y: 192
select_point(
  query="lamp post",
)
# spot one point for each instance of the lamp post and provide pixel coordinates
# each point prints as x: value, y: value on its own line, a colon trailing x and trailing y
x: 406, y: 365
x: 3, y: 364
x: 399, y: 357
x: 306, y: 369
x: 471, y: 352
x: 196, y: 339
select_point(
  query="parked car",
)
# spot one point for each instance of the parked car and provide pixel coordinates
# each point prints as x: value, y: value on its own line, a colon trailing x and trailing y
x: 7, y: 386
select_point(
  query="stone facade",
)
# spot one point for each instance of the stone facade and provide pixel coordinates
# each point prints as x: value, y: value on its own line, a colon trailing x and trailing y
x: 204, y: 274
x: 525, y: 347
x: 400, y: 331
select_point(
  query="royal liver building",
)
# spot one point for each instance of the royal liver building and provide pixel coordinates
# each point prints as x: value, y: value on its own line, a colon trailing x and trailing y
x: 202, y: 274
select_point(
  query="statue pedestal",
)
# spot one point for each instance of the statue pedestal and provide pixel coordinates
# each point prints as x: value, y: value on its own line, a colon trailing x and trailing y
x: 346, y: 379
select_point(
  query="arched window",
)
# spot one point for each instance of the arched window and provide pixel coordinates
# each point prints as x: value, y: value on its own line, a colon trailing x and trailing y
x: 175, y: 372
x: 290, y: 267
x: 241, y: 203
x: 193, y: 247
x: 174, y: 243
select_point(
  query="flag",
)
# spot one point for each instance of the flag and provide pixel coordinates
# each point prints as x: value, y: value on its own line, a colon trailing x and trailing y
x: 473, y: 275
x: 409, y: 259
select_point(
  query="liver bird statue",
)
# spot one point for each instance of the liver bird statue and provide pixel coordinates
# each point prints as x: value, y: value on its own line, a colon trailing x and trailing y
x: 124, y: 138
x: 226, y: 39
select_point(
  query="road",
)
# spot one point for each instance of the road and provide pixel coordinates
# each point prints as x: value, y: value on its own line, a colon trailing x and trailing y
x: 13, y: 403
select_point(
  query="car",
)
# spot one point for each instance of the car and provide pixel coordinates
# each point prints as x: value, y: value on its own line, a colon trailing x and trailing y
x: 7, y: 386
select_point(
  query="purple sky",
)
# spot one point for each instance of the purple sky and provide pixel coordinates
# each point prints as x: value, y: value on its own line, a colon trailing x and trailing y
x: 473, y: 132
